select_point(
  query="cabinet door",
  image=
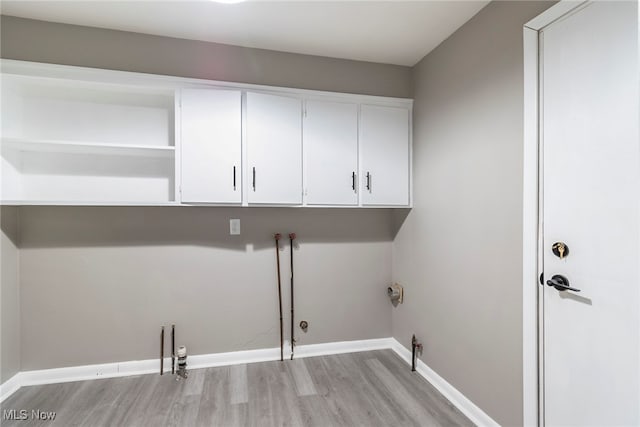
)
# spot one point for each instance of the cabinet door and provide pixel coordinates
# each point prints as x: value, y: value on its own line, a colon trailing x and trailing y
x: 211, y: 146
x: 274, y: 149
x: 330, y: 139
x: 384, y: 145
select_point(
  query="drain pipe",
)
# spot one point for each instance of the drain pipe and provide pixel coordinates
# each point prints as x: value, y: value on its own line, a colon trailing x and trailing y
x: 416, y: 347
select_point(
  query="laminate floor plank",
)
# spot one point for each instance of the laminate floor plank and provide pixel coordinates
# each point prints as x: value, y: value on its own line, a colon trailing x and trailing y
x: 51, y: 398
x: 352, y: 399
x: 270, y: 396
x: 238, y: 384
x: 378, y: 399
x: 113, y: 396
x: 160, y: 402
x: 236, y: 416
x: 195, y: 382
x: 324, y: 381
x: 301, y: 378
x: 315, y: 412
x: 76, y: 408
x: 329, y: 381
x: 393, y: 408
x: 184, y: 411
x: 214, y: 398
x: 395, y: 388
x: 288, y: 400
x: 131, y: 406
x: 443, y: 410
x: 262, y: 405
x: 373, y: 388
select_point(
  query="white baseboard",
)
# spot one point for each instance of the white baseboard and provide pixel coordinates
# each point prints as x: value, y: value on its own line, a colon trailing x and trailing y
x: 10, y: 386
x: 459, y: 400
x: 312, y: 350
x: 271, y: 354
x: 232, y: 358
x: 151, y: 366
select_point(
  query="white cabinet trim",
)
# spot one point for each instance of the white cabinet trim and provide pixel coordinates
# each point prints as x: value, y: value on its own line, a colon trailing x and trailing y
x: 155, y: 82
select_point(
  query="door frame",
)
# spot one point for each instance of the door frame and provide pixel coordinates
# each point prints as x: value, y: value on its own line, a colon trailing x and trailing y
x: 532, y: 303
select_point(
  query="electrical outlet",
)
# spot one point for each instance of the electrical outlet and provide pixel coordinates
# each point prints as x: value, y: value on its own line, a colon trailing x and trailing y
x: 234, y: 227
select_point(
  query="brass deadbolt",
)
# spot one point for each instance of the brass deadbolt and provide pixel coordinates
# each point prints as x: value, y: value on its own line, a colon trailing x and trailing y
x: 560, y: 249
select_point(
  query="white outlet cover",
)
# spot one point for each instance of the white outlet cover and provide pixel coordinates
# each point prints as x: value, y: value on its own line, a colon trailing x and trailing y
x: 234, y: 227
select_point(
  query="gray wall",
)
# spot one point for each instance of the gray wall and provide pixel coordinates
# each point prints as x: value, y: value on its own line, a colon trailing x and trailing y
x: 98, y: 282
x: 459, y: 251
x: 40, y: 41
x: 9, y: 294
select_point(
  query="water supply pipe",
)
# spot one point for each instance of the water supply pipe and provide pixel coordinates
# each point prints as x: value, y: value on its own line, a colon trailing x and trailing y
x: 277, y: 237
x: 292, y: 237
x: 173, y: 349
x: 162, y: 351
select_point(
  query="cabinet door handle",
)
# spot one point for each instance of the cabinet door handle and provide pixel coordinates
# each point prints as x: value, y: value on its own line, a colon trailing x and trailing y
x: 368, y: 181
x: 254, y: 178
x: 353, y: 181
x: 234, y: 178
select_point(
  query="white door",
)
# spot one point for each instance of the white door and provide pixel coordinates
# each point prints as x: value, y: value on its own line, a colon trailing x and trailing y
x: 591, y: 193
x: 274, y: 149
x: 384, y: 147
x: 211, y: 146
x: 330, y: 138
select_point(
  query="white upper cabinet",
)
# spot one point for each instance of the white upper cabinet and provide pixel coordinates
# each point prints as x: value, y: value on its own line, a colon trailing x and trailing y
x: 385, y: 160
x: 274, y: 149
x: 330, y: 136
x: 76, y: 136
x: 211, y: 128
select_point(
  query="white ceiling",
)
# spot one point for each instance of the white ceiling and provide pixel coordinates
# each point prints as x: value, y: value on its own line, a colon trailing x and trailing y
x: 393, y: 32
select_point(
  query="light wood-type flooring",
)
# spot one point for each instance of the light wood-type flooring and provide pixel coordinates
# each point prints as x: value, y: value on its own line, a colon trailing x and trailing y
x: 374, y: 388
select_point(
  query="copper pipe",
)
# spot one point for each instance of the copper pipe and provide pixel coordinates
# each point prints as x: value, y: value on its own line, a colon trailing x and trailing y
x: 277, y: 237
x: 292, y: 237
x: 162, y: 351
x: 173, y: 349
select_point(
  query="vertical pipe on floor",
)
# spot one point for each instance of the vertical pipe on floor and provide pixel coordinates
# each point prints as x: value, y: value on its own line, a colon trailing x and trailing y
x: 173, y: 349
x: 413, y: 353
x: 277, y: 237
x: 292, y: 237
x: 162, y: 351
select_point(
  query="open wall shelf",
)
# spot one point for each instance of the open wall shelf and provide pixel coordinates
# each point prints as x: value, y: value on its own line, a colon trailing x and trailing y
x: 68, y: 141
x: 74, y: 147
x: 62, y: 176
